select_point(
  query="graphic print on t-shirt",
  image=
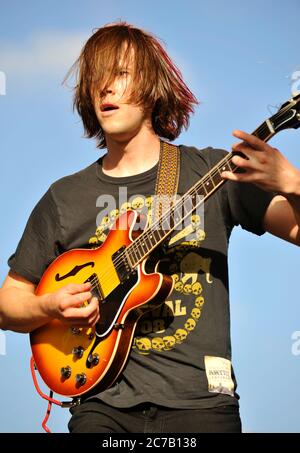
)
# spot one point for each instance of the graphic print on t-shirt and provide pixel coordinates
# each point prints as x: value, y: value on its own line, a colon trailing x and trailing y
x: 170, y: 324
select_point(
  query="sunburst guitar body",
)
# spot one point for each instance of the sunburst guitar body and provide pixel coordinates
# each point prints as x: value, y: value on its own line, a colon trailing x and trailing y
x: 72, y: 360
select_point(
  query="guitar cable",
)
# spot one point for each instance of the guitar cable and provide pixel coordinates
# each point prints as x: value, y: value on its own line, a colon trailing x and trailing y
x: 49, y: 398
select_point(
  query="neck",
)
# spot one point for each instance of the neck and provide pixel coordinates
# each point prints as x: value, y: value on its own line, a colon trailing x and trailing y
x: 132, y: 156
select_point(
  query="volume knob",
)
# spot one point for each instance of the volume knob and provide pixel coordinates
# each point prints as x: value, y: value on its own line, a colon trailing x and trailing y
x: 93, y: 359
x: 78, y: 352
x: 80, y: 379
x: 65, y: 372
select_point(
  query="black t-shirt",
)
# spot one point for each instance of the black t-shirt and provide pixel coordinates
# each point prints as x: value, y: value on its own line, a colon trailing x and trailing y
x: 181, y: 354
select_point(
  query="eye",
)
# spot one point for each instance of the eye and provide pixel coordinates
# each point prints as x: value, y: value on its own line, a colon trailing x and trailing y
x: 123, y: 72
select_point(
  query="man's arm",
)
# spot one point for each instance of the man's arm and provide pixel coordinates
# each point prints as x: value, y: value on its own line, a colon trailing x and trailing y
x: 22, y: 311
x: 267, y: 168
x: 282, y: 218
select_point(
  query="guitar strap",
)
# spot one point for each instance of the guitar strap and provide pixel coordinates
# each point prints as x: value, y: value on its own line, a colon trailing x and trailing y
x: 167, y: 178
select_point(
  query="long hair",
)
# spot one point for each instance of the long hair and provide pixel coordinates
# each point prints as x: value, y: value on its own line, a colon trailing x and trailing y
x: 157, y: 82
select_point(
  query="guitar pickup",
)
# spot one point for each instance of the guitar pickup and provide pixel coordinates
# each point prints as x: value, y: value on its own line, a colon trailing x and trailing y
x: 96, y: 287
x: 122, y: 265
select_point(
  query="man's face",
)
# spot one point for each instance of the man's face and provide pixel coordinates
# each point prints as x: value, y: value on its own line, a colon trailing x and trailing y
x: 119, y: 119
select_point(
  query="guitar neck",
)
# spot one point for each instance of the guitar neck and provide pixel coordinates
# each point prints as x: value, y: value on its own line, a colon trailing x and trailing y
x: 161, y: 228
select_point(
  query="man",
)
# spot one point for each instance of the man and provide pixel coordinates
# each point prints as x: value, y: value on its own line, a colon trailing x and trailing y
x: 130, y: 95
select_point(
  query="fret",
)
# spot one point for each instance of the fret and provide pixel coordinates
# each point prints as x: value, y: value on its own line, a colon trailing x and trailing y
x: 156, y: 235
x: 176, y: 214
x: 211, y: 178
x: 161, y: 204
x: 202, y: 190
x: 230, y: 165
x: 171, y: 219
x: 177, y: 211
x: 148, y: 244
x: 147, y: 241
x: 194, y: 198
x: 200, y: 186
x: 165, y: 223
x: 208, y: 186
x: 217, y: 177
x: 127, y: 256
x: 133, y: 250
x: 226, y: 166
x: 265, y: 130
x: 138, y: 251
x: 162, y: 231
x: 151, y: 239
x: 141, y: 247
x: 188, y: 205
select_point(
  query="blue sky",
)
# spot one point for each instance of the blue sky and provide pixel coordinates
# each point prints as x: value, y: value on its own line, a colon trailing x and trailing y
x: 241, y: 59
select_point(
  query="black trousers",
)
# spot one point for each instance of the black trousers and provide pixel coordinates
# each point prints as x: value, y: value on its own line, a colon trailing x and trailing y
x: 93, y: 416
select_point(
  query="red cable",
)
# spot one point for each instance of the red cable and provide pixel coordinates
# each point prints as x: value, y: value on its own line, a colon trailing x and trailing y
x: 46, y: 417
x: 43, y: 395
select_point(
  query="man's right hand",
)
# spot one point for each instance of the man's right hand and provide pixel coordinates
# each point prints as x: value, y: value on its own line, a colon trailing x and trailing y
x: 21, y: 310
x: 68, y: 305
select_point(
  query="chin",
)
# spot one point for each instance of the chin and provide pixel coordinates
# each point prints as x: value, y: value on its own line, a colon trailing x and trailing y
x: 121, y: 135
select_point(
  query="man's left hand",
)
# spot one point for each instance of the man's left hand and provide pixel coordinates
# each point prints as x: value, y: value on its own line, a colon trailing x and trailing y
x: 264, y: 165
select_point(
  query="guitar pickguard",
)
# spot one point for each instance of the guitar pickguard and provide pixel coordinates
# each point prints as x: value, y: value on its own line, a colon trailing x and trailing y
x: 111, y: 305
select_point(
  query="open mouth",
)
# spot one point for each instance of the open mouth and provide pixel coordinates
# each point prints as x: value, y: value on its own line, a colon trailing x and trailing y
x: 108, y: 107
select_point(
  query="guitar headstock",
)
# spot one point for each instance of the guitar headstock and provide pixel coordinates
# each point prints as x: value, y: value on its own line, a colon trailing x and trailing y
x: 288, y: 116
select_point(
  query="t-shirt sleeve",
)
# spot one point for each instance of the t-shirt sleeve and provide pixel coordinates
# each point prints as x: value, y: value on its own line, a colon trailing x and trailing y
x: 40, y: 242
x: 247, y: 205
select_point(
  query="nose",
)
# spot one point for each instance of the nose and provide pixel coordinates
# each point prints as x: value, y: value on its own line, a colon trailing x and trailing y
x: 109, y: 90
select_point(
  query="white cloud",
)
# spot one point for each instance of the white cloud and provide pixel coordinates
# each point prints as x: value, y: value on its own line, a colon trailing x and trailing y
x: 47, y: 54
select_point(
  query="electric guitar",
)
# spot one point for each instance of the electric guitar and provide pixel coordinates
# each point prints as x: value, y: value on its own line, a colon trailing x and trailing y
x: 73, y: 360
